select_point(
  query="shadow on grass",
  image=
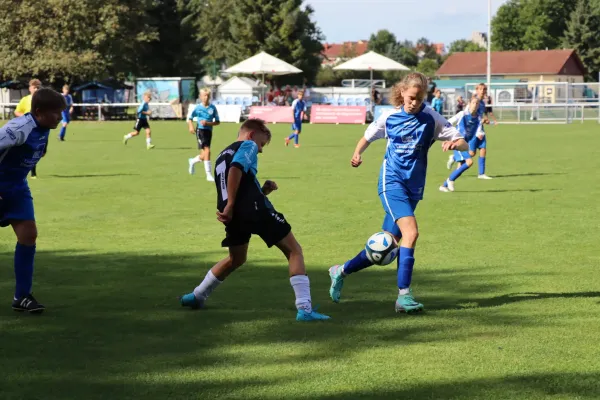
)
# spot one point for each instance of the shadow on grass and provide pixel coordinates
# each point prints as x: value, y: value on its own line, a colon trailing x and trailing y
x: 91, y: 175
x: 114, y: 327
x: 507, y: 190
x: 529, y: 174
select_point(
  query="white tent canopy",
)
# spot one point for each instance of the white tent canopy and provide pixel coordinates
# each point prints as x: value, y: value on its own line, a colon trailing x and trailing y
x: 263, y: 63
x: 372, y: 61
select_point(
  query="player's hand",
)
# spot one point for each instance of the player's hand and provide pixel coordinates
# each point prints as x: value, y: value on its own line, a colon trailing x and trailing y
x: 480, y: 136
x: 203, y: 122
x: 191, y: 130
x: 449, y: 145
x: 226, y: 215
x: 356, y: 160
x: 268, y: 187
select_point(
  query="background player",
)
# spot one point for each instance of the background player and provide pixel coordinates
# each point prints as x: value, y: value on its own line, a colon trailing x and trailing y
x: 207, y: 117
x: 22, y: 143
x: 298, y: 110
x: 24, y: 107
x: 410, y: 132
x: 245, y: 210
x: 143, y: 112
x: 66, y: 114
x: 469, y: 124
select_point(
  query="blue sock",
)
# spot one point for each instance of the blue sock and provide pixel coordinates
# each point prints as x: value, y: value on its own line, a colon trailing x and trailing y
x: 291, y: 136
x: 481, y: 165
x: 24, y: 256
x: 296, y: 138
x: 458, y: 172
x: 406, y: 262
x: 63, y: 131
x: 357, y: 263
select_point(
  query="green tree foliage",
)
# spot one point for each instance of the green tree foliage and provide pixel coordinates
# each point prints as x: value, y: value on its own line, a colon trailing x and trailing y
x: 282, y: 28
x: 531, y: 24
x: 464, y: 45
x: 582, y: 35
x: 428, y: 67
x: 73, y: 39
x: 382, y: 41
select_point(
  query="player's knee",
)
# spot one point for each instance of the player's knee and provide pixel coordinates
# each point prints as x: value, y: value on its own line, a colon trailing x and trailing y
x: 471, y: 153
x: 469, y: 162
x: 27, y: 233
x: 410, y: 237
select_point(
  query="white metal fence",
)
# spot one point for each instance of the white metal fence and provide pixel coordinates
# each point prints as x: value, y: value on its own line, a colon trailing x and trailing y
x: 108, y: 112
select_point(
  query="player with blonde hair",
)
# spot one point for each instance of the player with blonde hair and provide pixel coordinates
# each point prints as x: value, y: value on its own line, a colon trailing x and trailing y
x: 410, y: 130
x: 207, y: 116
x: 143, y: 112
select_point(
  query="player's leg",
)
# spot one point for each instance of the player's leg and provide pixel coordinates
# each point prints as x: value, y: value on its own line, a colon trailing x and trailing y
x: 135, y: 132
x: 275, y: 231
x: 34, y: 172
x: 236, y: 241
x: 293, y: 135
x: 63, y: 129
x: 406, y: 261
x: 482, y: 158
x: 292, y: 250
x: 149, y: 144
x: 206, y: 155
x: 465, y: 161
x: 297, y: 137
x: 17, y: 210
x: 194, y: 160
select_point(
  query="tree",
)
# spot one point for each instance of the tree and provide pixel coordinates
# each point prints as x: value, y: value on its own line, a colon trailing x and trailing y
x: 382, y: 41
x: 531, y: 24
x: 464, y: 45
x: 582, y: 35
x: 72, y: 39
x: 426, y: 50
x: 282, y: 28
x: 428, y: 67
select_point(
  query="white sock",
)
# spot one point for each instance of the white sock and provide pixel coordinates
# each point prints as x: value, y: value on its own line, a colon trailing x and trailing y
x: 196, y: 160
x: 209, y: 284
x: 207, y: 168
x: 128, y: 136
x: 301, y: 287
x: 148, y: 140
x: 402, y: 292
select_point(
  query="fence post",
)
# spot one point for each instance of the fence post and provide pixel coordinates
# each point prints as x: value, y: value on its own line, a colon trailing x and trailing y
x: 99, y: 112
x: 518, y: 113
x: 582, y: 112
x: 567, y: 99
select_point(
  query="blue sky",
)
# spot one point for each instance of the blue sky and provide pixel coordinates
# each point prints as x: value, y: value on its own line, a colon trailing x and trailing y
x: 438, y: 20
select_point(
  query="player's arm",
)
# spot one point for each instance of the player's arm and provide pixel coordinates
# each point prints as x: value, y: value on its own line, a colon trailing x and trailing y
x: 21, y: 109
x: 456, y: 119
x: 190, y: 122
x: 452, y: 138
x: 376, y: 130
x: 12, y: 135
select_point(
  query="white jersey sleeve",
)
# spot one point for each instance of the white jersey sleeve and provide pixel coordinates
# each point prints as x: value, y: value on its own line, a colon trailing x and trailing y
x: 455, y: 120
x: 443, y: 130
x: 294, y: 104
x: 16, y: 132
x: 376, y: 130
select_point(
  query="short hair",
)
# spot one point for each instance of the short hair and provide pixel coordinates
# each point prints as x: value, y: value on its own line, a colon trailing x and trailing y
x: 256, y: 125
x: 483, y: 85
x: 206, y: 90
x: 35, y: 83
x: 301, y: 92
x: 66, y: 87
x: 147, y: 94
x: 47, y: 99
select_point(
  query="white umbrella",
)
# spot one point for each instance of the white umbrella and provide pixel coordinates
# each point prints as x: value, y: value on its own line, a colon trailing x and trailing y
x: 263, y: 63
x: 372, y: 61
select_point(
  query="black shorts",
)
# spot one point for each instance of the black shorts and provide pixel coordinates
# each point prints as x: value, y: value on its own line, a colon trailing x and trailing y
x: 204, y: 137
x: 270, y: 225
x: 141, y: 124
x: 488, y: 110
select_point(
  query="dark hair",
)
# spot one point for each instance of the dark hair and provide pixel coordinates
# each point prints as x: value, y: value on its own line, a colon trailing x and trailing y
x: 256, y: 125
x: 36, y: 83
x: 46, y: 99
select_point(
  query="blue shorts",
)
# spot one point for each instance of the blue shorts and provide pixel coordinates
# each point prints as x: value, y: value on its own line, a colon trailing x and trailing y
x: 460, y: 156
x: 66, y: 117
x: 396, y: 204
x: 297, y: 126
x: 17, y: 204
x: 477, y: 143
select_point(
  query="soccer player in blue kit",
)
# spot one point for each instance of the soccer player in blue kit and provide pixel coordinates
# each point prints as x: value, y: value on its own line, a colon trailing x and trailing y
x: 478, y: 142
x: 141, y: 122
x: 207, y: 117
x: 298, y: 109
x: 245, y: 210
x: 23, y: 141
x: 470, y: 125
x: 410, y: 131
x: 66, y: 114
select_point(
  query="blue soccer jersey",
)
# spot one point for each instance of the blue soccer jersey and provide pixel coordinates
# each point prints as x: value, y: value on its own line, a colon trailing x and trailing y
x: 144, y: 107
x: 66, y: 115
x: 467, y: 124
x: 22, y: 144
x: 299, y: 107
x: 481, y: 108
x: 409, y: 137
x: 209, y: 114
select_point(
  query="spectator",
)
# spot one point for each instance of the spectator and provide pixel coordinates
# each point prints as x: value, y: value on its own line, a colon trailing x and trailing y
x: 437, y: 103
x: 460, y: 104
x: 375, y: 96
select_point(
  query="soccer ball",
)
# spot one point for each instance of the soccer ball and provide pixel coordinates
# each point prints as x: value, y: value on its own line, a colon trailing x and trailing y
x: 381, y: 248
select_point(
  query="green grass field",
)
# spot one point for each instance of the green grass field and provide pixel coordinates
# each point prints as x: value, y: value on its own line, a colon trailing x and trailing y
x: 507, y: 270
